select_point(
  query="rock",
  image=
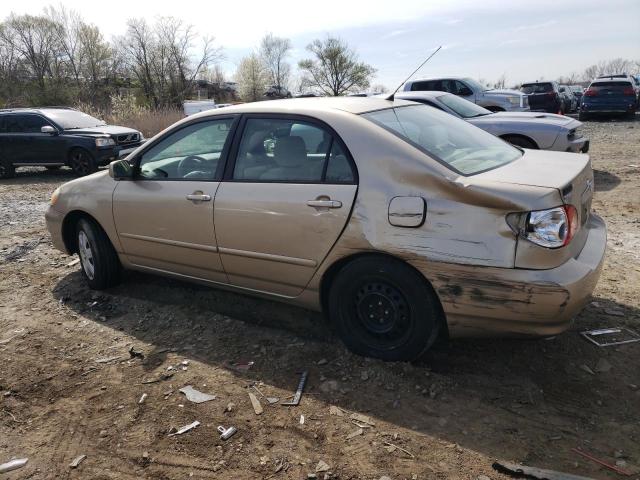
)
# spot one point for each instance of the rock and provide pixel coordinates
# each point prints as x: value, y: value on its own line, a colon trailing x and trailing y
x: 230, y: 407
x: 483, y: 477
x: 329, y: 386
x: 603, y: 366
x: 322, y: 466
x: 103, y: 433
x: 364, y: 376
x: 384, y: 477
x: 358, y: 417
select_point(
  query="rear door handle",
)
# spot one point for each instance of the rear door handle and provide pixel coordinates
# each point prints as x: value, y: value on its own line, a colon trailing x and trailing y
x: 324, y: 203
x: 199, y: 197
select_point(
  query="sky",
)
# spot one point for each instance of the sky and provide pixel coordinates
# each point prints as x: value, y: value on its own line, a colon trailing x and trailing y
x: 524, y: 40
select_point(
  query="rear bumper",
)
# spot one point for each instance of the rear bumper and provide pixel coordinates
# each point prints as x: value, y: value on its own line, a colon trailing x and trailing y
x: 480, y: 301
x: 619, y: 107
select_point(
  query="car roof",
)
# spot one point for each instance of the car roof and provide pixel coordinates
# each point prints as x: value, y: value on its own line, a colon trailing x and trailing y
x: 41, y: 110
x: 422, y: 94
x: 355, y: 105
x: 443, y: 77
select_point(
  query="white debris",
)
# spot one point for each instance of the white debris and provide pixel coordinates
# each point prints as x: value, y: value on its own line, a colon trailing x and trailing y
x: 13, y: 465
x: 186, y: 428
x: 196, y: 396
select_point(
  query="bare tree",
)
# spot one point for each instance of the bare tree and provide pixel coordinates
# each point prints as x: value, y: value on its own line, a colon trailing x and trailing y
x: 335, y: 68
x: 273, y: 52
x: 67, y: 25
x: 501, y: 82
x: 251, y: 77
x: 95, y: 56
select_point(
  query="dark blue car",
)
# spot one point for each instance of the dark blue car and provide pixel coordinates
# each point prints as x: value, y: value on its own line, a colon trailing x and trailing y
x: 609, y: 96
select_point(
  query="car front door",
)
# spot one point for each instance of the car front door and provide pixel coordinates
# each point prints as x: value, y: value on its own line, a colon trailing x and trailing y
x: 35, y: 146
x: 283, y: 204
x: 164, y: 215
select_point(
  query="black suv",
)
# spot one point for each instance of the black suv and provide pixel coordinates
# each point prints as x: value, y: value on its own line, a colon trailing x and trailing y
x: 545, y: 97
x: 55, y: 136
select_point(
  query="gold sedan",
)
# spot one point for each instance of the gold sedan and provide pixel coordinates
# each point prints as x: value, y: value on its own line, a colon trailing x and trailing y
x: 400, y: 222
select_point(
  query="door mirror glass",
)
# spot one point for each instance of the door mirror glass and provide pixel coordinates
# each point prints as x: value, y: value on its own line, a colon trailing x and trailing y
x: 120, y: 169
x: 48, y: 129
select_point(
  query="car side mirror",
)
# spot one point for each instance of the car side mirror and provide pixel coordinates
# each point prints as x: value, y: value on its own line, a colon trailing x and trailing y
x: 49, y: 129
x: 120, y: 170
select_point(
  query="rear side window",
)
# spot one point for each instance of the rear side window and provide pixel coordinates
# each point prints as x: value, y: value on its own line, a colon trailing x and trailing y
x: 294, y: 151
x: 24, y: 123
x: 429, y: 85
x: 529, y: 88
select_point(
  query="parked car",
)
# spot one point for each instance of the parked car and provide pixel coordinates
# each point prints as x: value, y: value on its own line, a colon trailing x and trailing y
x: 609, y: 96
x: 56, y: 136
x: 467, y: 88
x: 275, y: 91
x: 544, y: 97
x: 196, y: 106
x: 399, y: 221
x: 570, y: 104
x: 524, y: 129
x: 577, y: 92
x: 635, y: 81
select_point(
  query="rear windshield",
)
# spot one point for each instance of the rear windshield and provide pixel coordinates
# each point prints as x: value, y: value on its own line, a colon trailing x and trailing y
x: 536, y: 88
x: 612, y: 84
x: 455, y: 143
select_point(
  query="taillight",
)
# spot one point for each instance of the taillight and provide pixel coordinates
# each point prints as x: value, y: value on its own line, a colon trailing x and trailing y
x: 591, y: 92
x: 553, y: 228
x: 629, y: 91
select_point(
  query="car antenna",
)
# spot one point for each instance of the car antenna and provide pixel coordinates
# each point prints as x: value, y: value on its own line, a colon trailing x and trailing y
x: 390, y: 97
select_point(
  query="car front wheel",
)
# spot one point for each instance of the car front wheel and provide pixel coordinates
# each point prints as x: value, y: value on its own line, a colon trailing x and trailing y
x: 383, y: 308
x: 82, y: 162
x: 98, y: 259
x: 7, y: 170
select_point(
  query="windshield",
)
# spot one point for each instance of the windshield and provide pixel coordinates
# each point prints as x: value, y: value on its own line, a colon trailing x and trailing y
x: 462, y: 107
x: 475, y: 85
x: 536, y: 88
x: 455, y: 143
x: 73, y: 119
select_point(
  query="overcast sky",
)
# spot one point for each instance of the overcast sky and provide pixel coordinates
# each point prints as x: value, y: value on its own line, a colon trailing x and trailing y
x: 525, y: 40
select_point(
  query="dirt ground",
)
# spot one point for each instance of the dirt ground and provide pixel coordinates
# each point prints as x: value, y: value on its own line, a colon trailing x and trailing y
x: 70, y: 387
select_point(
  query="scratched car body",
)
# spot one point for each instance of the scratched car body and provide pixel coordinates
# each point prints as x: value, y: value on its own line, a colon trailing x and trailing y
x: 399, y: 221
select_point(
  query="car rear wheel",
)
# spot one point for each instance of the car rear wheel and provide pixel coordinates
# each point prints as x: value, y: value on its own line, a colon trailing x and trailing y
x: 7, y: 170
x: 520, y: 141
x: 82, y: 162
x: 98, y: 259
x: 582, y: 116
x: 383, y: 308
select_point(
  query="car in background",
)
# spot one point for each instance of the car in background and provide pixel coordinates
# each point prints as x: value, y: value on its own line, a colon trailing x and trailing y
x: 544, y: 97
x: 635, y: 82
x: 609, y: 96
x: 469, y: 89
x: 544, y: 131
x: 570, y: 103
x: 275, y: 91
x: 397, y: 220
x: 577, y: 91
x: 191, y: 107
x: 56, y: 136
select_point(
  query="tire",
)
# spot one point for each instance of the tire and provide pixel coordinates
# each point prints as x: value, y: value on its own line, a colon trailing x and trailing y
x: 82, y: 162
x: 520, y: 142
x: 7, y: 170
x: 408, y: 318
x: 582, y: 116
x: 98, y: 259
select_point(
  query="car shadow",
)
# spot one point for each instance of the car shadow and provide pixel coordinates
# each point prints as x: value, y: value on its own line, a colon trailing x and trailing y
x: 527, y: 399
x: 605, y: 181
x: 30, y: 175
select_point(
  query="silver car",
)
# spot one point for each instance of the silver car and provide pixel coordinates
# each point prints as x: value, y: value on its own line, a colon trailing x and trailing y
x: 544, y: 131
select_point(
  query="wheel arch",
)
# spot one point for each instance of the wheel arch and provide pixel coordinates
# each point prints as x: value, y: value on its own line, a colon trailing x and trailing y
x: 506, y: 136
x: 69, y: 224
x: 332, y: 272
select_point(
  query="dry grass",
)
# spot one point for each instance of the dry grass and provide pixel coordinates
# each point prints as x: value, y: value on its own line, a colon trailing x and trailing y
x: 148, y: 122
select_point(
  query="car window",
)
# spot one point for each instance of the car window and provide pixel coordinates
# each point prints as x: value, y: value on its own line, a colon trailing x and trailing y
x: 24, y: 123
x: 462, y: 107
x: 427, y: 86
x: 617, y: 85
x: 453, y: 142
x: 529, y: 88
x: 191, y: 153
x: 285, y: 150
x: 427, y: 102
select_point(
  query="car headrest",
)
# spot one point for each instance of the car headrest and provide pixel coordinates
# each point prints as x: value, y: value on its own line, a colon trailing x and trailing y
x: 290, y: 152
x: 255, y: 145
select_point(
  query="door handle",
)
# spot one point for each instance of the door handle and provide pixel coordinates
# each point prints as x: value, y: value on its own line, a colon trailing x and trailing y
x: 199, y: 197
x: 324, y: 203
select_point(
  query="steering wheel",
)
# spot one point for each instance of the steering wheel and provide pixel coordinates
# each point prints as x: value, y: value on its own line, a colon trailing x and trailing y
x: 190, y: 164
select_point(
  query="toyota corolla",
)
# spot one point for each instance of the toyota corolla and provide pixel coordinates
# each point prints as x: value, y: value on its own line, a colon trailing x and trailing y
x: 397, y: 220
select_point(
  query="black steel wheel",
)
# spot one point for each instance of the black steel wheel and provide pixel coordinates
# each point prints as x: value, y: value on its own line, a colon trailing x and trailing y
x: 384, y: 308
x: 82, y: 162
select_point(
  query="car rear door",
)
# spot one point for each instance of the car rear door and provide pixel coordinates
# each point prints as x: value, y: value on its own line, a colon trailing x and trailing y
x: 164, y: 216
x: 284, y: 202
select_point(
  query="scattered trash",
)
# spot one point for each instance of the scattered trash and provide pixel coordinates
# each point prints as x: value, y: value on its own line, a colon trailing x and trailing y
x: 185, y: 429
x: 298, y: 394
x: 322, y: 361
x: 133, y: 353
x: 392, y: 447
x: 21, y: 250
x: 142, y: 398
x: 255, y: 403
x: 358, y: 417
x: 13, y: 465
x: 242, y: 366
x: 226, y: 433
x: 164, y: 376
x: 521, y: 471
x: 73, y: 262
x: 587, y: 369
x: 603, y: 366
x: 301, y: 419
x: 108, y: 359
x: 611, y: 336
x: 322, y: 466
x: 77, y: 461
x: 271, y: 400
x: 230, y: 407
x: 195, y: 396
x: 359, y: 431
x: 333, y: 410
x: 601, y: 462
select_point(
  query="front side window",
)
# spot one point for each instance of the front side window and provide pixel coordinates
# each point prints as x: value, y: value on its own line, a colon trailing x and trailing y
x: 453, y: 142
x: 191, y: 153
x: 295, y: 151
